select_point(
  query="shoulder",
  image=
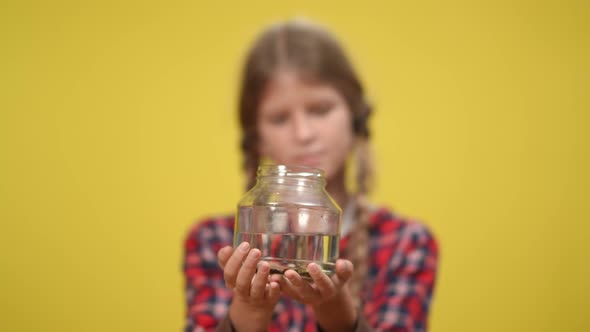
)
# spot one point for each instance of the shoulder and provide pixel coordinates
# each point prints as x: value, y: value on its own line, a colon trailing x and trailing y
x: 405, y: 245
x: 216, y: 230
x: 390, y: 228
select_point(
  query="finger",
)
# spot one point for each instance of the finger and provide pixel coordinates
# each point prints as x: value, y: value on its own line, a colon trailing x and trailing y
x: 298, y: 287
x: 278, y: 278
x: 223, y: 255
x: 286, y: 286
x: 274, y: 292
x: 246, y: 273
x: 294, y: 279
x: 259, y: 285
x: 232, y: 267
x: 323, y: 283
x: 344, y: 269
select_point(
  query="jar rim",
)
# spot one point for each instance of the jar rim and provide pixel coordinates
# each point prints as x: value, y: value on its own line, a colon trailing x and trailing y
x: 290, y: 171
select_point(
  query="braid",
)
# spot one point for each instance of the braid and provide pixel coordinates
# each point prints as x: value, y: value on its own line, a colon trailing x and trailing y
x: 358, y: 248
x: 251, y: 160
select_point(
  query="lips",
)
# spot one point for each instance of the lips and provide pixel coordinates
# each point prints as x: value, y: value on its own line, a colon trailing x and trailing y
x: 312, y: 159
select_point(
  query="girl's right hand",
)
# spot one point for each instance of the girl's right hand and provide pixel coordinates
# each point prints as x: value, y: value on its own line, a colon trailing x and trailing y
x: 254, y: 296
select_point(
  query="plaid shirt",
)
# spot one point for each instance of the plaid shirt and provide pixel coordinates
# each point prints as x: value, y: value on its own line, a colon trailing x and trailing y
x: 396, y: 297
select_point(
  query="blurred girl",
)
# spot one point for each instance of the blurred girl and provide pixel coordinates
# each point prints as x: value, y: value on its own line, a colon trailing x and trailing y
x: 302, y: 103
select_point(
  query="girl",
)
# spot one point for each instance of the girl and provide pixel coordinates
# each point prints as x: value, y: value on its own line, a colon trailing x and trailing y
x: 302, y: 103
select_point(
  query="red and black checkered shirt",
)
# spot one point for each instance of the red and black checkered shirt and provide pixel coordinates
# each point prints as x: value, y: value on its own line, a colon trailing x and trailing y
x: 397, y: 292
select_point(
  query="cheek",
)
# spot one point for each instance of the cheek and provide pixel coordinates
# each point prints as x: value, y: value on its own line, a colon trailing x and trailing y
x: 270, y: 143
x: 341, y: 128
x: 341, y: 138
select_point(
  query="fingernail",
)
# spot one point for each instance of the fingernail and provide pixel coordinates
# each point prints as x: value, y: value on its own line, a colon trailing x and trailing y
x: 313, y: 268
x: 254, y: 254
x: 263, y: 268
x: 244, y: 246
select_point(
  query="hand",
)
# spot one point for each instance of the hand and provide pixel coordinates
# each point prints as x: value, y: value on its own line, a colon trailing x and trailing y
x: 323, y: 287
x: 329, y: 297
x: 254, y: 297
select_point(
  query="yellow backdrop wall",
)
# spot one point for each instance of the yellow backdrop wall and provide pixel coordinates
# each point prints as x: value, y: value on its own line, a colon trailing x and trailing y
x: 118, y: 130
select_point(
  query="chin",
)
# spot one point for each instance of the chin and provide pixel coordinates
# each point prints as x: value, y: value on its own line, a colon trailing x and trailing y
x: 312, y: 164
x: 328, y: 172
x: 319, y: 166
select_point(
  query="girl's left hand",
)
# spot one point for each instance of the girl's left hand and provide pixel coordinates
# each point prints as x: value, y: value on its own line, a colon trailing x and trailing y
x: 323, y: 287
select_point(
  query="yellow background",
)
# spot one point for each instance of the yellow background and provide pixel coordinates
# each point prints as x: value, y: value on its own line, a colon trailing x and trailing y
x: 118, y: 130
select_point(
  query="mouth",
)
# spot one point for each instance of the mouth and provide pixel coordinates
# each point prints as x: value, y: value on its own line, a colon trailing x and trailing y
x: 312, y: 159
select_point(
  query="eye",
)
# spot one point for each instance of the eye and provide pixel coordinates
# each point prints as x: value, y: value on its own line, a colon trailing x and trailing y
x: 278, y: 118
x: 321, y: 109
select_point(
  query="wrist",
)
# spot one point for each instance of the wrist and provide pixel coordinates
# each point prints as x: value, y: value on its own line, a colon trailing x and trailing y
x: 338, y: 313
x: 247, y: 318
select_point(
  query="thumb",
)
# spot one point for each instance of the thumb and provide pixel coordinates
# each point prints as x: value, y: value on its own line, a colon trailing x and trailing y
x: 343, y: 273
x: 223, y: 255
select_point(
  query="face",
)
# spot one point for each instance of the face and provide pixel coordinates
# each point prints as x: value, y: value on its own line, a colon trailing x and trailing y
x: 302, y: 123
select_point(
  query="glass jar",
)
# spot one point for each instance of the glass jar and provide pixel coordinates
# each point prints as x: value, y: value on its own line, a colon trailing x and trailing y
x: 291, y: 218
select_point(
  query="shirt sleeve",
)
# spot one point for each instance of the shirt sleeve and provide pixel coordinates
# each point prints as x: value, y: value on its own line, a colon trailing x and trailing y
x: 400, y: 298
x: 207, y: 298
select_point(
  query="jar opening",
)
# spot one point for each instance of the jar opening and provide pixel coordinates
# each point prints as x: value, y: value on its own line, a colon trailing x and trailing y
x: 299, y: 172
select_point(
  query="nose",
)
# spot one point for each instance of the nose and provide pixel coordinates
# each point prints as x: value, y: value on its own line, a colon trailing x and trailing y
x: 303, y: 130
